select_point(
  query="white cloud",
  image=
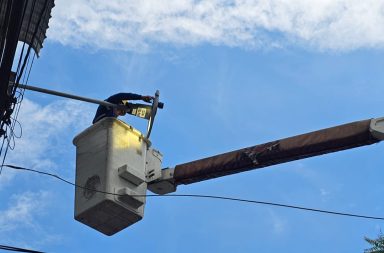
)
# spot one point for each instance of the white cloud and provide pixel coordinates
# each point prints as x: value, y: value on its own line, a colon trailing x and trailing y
x: 47, y: 133
x: 22, y: 210
x: 137, y: 25
x: 46, y: 140
x: 22, y: 214
x: 324, y: 192
x: 279, y: 225
x: 45, y: 126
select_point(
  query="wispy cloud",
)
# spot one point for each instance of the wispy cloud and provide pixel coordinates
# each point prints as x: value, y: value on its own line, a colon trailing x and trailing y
x: 47, y: 132
x: 21, y: 213
x: 22, y: 210
x: 279, y: 225
x: 138, y: 25
x: 47, y: 139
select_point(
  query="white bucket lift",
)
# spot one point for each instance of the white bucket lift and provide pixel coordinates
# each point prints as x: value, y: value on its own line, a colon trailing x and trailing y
x: 114, y: 163
x: 113, y: 157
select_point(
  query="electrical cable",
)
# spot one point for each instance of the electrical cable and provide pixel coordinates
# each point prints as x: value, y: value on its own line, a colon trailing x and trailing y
x: 29, y: 23
x: 204, y: 196
x: 22, y: 92
x: 4, y: 32
x: 43, y: 11
x: 15, y: 249
x: 17, y: 136
x: 5, y: 155
x: 10, y: 137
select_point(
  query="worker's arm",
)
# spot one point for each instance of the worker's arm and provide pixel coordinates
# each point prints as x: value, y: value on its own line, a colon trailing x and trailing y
x: 117, y: 98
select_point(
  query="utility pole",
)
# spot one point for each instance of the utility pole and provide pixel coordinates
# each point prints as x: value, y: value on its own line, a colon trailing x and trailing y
x: 10, y: 38
x: 25, y: 21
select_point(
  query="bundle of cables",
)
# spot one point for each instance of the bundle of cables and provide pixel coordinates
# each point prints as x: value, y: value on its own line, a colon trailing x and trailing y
x: 32, y: 15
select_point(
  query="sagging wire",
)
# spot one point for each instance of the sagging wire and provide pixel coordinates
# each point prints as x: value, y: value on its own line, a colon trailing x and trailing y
x: 203, y: 196
x: 17, y: 136
x: 10, y: 135
x: 21, y: 97
x: 20, y: 72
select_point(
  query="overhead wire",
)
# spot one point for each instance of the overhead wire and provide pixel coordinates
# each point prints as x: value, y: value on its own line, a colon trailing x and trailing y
x: 204, y: 196
x: 29, y: 23
x: 4, y: 31
x: 20, y: 68
x: 18, y: 104
x: 23, y: 62
x: 8, y: 135
x: 17, y: 136
x: 43, y: 11
x: 16, y: 249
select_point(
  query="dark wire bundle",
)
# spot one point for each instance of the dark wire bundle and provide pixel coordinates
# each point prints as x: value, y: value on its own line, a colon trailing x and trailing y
x: 9, y: 115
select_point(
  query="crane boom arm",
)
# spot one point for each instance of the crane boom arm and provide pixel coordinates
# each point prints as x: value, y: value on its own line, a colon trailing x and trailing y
x: 316, y: 143
x: 347, y: 136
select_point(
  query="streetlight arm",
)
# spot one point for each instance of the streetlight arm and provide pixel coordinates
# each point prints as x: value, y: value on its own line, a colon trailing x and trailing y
x: 66, y: 95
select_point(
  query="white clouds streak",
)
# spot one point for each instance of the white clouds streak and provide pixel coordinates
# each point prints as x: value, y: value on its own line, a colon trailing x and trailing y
x: 47, y: 133
x: 46, y: 141
x: 279, y: 225
x: 44, y: 127
x: 137, y: 25
x: 21, y: 218
x: 22, y: 210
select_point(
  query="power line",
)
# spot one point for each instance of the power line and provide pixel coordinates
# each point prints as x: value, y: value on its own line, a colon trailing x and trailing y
x: 205, y: 196
x: 14, y: 107
x: 15, y: 249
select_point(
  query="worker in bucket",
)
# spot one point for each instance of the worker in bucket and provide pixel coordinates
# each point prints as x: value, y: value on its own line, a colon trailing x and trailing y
x: 103, y: 111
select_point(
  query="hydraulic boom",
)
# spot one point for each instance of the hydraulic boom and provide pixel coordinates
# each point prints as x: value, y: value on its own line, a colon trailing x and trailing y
x: 316, y: 143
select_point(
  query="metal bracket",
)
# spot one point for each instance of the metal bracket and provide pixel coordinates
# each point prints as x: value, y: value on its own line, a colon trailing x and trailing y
x: 165, y: 184
x: 155, y: 104
x: 130, y: 175
x: 153, y: 165
x: 130, y: 197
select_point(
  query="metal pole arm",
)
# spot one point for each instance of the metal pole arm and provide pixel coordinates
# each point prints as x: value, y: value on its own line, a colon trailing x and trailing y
x: 66, y: 95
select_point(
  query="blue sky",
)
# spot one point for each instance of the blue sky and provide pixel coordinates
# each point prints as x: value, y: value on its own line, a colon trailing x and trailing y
x: 232, y: 74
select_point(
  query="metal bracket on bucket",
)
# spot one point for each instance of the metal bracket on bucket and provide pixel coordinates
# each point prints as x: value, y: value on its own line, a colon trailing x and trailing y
x: 155, y: 105
x: 144, y: 111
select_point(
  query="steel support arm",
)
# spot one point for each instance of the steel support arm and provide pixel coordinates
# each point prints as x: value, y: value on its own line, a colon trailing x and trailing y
x: 316, y: 143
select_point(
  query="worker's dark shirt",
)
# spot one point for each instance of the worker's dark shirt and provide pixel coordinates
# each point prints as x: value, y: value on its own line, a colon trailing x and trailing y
x: 103, y: 111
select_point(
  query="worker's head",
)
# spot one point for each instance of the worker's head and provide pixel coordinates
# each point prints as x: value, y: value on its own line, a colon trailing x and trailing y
x: 120, y: 112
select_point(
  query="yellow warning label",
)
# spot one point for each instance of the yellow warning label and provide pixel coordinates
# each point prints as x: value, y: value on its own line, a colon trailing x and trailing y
x: 141, y: 112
